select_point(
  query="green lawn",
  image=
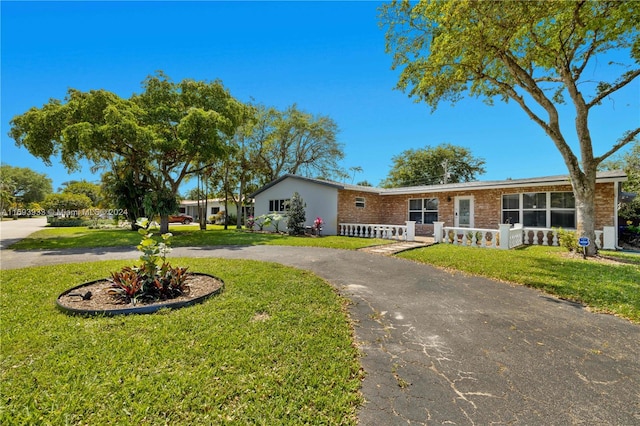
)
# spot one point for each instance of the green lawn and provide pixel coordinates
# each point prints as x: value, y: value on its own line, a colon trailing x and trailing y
x: 604, y: 287
x: 275, y: 346
x: 184, y: 236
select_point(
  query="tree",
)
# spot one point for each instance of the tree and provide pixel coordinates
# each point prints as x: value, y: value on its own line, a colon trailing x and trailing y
x: 67, y: 204
x: 168, y: 132
x: 296, y: 216
x: 354, y: 170
x: 125, y: 188
x: 630, y: 163
x: 444, y: 163
x: 296, y: 142
x: 91, y: 190
x: 530, y: 52
x: 23, y: 185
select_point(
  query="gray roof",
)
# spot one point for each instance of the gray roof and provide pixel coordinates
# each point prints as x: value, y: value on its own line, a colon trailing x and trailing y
x: 606, y: 176
x: 336, y: 185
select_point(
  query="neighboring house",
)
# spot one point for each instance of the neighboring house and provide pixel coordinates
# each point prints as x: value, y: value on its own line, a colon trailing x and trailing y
x: 543, y: 202
x: 215, y: 208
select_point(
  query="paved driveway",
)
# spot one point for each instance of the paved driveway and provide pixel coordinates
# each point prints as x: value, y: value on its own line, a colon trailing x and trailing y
x: 445, y: 348
x: 15, y: 230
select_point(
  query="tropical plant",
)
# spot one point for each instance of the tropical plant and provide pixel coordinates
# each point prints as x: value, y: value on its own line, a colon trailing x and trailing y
x: 251, y: 222
x: 155, y: 278
x: 317, y: 225
x: 274, y: 219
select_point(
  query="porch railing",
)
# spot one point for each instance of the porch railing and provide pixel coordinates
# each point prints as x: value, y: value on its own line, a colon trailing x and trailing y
x: 405, y: 232
x: 508, y: 236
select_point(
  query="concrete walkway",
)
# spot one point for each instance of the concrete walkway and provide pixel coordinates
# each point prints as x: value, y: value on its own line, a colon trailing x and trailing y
x: 397, y: 247
x: 445, y: 348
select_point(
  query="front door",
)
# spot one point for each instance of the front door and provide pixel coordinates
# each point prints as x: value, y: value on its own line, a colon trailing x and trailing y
x: 464, y: 212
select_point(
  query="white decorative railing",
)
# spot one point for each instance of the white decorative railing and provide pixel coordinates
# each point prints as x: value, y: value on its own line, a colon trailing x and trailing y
x: 390, y: 232
x: 516, y: 236
x: 507, y: 237
x: 475, y: 237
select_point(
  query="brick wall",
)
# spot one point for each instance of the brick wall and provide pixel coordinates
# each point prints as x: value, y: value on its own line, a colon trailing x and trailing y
x: 394, y: 209
x: 372, y: 212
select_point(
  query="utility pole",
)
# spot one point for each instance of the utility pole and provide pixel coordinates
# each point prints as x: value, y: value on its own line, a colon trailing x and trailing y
x: 445, y: 166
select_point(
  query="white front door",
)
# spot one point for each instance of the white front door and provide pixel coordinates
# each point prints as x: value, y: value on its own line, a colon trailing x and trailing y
x: 464, y: 212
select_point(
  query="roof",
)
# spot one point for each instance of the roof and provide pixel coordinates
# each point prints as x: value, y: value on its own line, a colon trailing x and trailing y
x: 329, y: 183
x: 606, y: 176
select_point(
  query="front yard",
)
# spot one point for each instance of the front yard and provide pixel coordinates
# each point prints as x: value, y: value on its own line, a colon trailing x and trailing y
x: 276, y: 344
x: 184, y: 236
x: 611, y: 284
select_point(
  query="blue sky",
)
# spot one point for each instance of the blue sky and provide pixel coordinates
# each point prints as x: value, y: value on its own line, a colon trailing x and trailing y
x: 326, y: 57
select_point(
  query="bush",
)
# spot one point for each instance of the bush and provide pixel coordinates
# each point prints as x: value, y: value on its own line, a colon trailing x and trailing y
x: 66, y: 222
x: 568, y: 240
x: 296, y: 216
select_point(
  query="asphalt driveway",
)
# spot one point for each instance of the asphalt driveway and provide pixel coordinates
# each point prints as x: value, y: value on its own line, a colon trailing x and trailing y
x: 444, y: 348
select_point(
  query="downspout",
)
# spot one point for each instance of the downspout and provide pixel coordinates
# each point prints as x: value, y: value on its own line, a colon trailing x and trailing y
x: 615, y: 216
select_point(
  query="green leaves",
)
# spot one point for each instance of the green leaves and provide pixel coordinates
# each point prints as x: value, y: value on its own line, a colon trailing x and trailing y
x: 161, y: 133
x: 444, y: 163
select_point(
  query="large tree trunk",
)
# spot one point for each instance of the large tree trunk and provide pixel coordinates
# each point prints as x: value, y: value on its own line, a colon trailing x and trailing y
x: 584, y: 190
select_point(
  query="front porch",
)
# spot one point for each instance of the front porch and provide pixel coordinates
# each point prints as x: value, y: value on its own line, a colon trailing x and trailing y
x: 506, y: 237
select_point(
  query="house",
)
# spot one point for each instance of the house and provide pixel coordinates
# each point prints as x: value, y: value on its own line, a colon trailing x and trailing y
x: 544, y: 202
x: 215, y: 209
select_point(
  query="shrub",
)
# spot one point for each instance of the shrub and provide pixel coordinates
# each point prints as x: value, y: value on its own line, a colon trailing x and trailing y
x: 568, y: 239
x: 317, y: 225
x: 66, y: 222
x: 250, y: 222
x: 296, y: 216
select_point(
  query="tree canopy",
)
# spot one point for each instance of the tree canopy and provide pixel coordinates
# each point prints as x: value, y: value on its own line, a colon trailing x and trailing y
x: 166, y: 133
x: 444, y: 163
x: 630, y: 163
x: 296, y: 142
x: 534, y: 53
x: 82, y: 187
x: 23, y: 185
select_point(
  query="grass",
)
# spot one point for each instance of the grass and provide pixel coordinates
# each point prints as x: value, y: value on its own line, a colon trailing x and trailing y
x: 184, y: 236
x: 275, y: 345
x: 604, y: 287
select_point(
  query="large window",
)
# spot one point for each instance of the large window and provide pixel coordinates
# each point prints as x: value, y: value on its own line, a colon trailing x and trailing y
x: 278, y: 206
x: 540, y: 209
x: 423, y: 210
x: 563, y: 210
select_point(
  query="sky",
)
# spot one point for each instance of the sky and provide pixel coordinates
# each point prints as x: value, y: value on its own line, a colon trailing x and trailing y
x: 327, y: 57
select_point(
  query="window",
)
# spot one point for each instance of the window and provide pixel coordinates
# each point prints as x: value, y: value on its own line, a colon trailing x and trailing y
x: 278, y: 205
x: 215, y: 210
x: 360, y: 202
x: 423, y: 210
x: 534, y: 209
x: 540, y: 209
x: 563, y: 210
x: 511, y: 208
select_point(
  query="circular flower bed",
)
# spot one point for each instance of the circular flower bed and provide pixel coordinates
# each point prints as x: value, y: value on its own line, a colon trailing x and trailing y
x: 95, y: 297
